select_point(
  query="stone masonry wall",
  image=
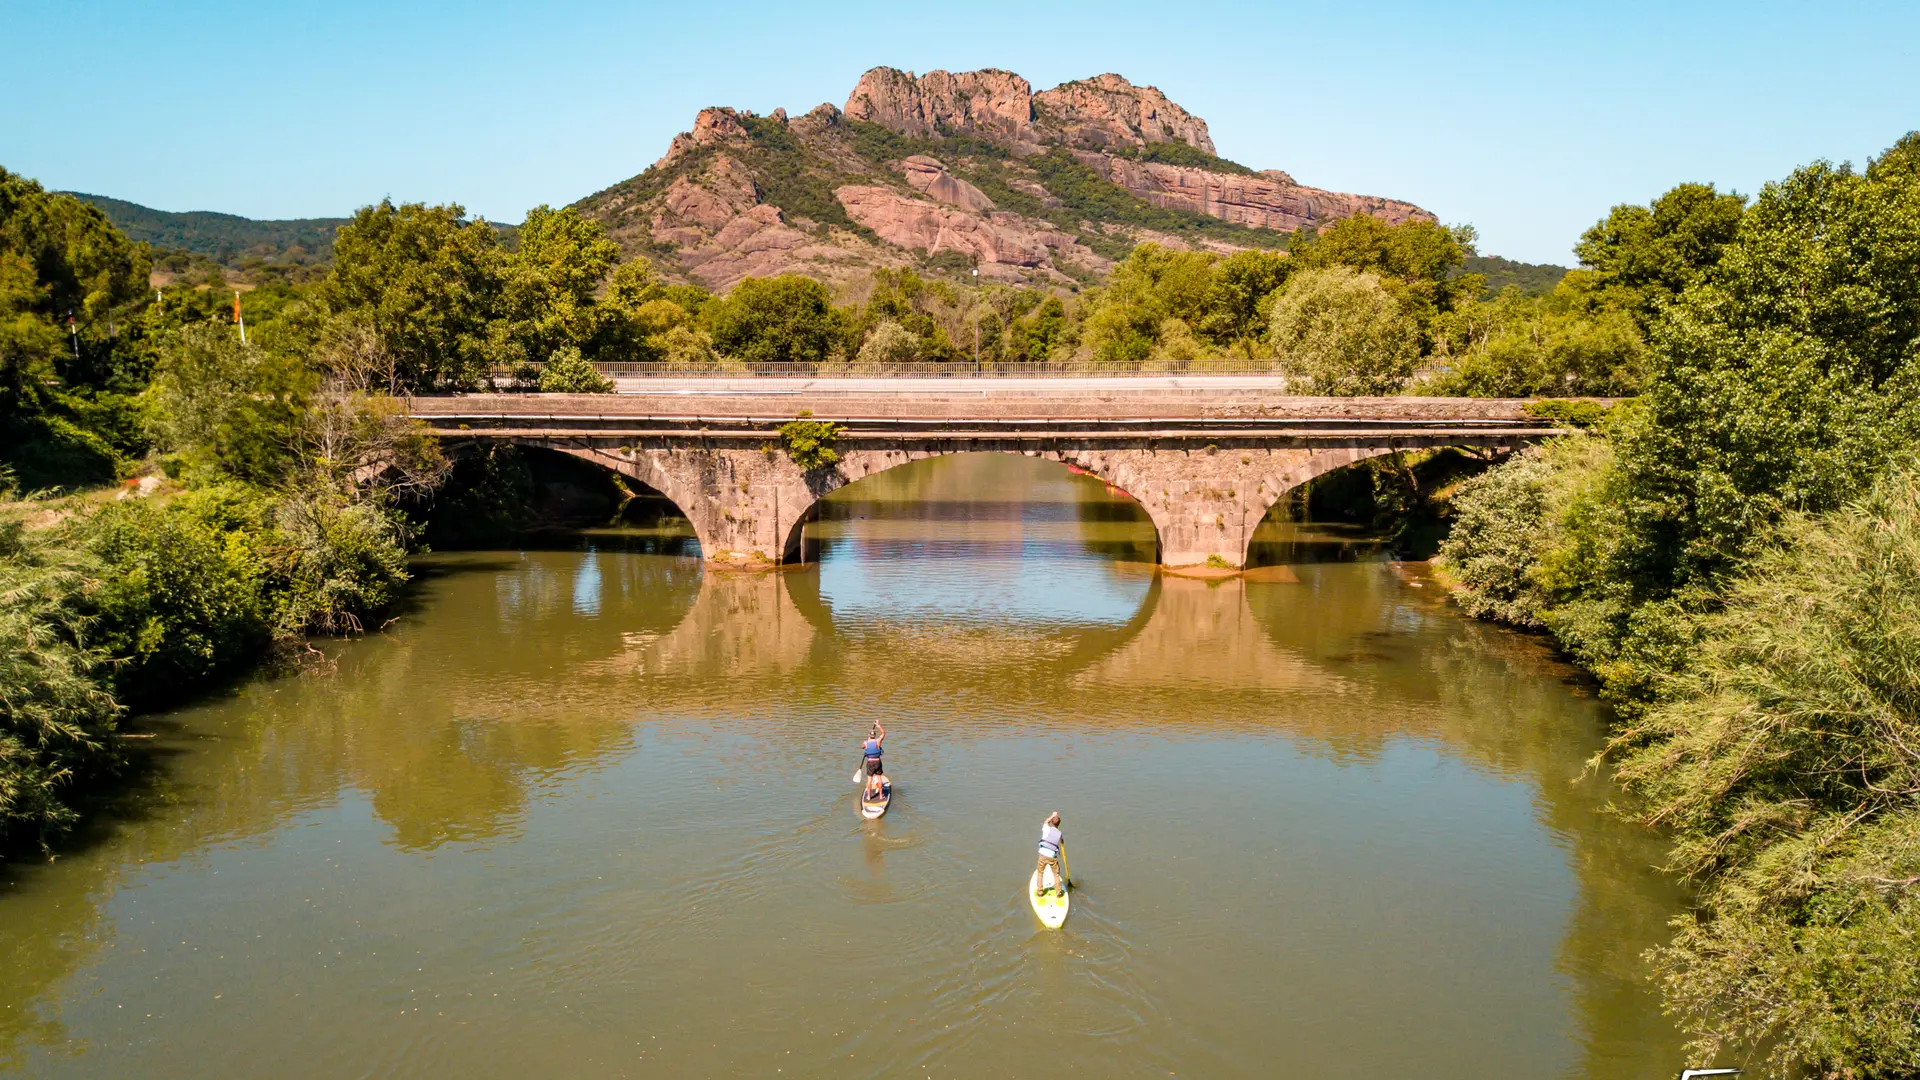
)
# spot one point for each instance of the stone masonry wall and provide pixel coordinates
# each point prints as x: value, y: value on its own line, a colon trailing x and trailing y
x: 749, y: 505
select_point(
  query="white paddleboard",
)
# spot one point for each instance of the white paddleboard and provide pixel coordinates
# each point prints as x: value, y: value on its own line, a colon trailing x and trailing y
x: 873, y: 808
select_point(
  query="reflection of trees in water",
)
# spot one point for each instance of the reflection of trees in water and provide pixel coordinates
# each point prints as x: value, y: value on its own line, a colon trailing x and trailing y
x: 447, y: 724
x: 1502, y: 701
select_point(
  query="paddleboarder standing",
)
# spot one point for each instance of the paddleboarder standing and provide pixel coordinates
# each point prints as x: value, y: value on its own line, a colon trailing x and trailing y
x: 1050, y: 842
x: 870, y: 751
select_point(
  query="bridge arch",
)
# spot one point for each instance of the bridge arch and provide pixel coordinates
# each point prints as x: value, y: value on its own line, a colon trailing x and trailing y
x: 1278, y: 486
x: 645, y: 468
x: 858, y: 465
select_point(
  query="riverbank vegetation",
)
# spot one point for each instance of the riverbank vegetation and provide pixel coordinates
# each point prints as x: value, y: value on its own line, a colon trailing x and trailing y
x: 1733, y: 555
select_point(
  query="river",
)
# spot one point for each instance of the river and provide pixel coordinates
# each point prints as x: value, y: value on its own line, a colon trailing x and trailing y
x: 588, y: 812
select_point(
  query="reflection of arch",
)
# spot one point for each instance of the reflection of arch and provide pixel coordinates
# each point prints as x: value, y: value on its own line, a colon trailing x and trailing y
x: 1096, y: 644
x: 1204, y: 632
x: 739, y: 625
x: 858, y: 465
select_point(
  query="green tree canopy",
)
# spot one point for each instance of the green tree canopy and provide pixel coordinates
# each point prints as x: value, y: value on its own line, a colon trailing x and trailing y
x: 1339, y: 331
x: 780, y: 320
x: 1419, y: 261
x: 548, y: 286
x: 428, y: 281
x: 1654, y: 252
x: 68, y: 282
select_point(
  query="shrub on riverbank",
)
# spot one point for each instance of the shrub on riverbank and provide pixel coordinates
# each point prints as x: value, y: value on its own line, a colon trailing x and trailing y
x: 1786, y: 763
x: 1710, y: 558
x: 56, y: 716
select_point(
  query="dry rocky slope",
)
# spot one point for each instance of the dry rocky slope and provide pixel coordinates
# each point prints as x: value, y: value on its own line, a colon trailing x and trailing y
x: 948, y: 172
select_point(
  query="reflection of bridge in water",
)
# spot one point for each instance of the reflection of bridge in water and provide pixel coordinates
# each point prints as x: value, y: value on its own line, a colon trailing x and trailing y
x: 1205, y: 458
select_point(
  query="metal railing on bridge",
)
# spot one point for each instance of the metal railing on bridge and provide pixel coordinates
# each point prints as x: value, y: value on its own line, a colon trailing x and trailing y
x: 529, y: 374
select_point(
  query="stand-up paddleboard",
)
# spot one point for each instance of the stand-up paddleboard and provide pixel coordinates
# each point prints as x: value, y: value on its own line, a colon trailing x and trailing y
x: 1052, y: 908
x: 873, y: 808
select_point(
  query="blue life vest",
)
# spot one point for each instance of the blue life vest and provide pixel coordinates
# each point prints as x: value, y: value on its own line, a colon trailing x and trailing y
x: 872, y: 749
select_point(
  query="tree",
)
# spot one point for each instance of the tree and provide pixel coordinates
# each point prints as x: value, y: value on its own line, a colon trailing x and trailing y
x: 427, y: 281
x: 56, y: 716
x: 548, y: 286
x: 887, y: 345
x: 1520, y: 346
x: 1236, y: 297
x: 1419, y: 261
x: 230, y: 409
x: 568, y: 372
x: 1339, y: 331
x: 1785, y: 763
x: 1654, y: 252
x: 780, y: 320
x: 68, y: 279
x: 1150, y: 287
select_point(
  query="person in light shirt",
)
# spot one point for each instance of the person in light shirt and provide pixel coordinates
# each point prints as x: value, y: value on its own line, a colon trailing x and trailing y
x: 1047, y: 874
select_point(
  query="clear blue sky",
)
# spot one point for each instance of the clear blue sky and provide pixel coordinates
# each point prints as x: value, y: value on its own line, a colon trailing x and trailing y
x: 1525, y: 120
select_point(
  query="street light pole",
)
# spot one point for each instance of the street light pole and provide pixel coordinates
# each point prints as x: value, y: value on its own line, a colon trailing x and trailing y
x: 976, y: 320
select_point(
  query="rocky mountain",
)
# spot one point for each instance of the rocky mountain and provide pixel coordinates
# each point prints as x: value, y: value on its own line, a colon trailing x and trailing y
x: 952, y: 172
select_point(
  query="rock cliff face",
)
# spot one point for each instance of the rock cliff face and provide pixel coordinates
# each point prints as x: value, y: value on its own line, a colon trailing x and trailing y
x: 989, y: 102
x: 1108, y: 111
x: 835, y: 193
x: 1269, y: 200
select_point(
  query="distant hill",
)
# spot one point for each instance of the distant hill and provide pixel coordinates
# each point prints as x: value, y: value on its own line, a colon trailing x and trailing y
x: 194, y: 243
x: 215, y: 235
x: 1534, y: 279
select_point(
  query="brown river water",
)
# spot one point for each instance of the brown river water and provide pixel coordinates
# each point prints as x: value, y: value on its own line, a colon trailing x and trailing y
x: 589, y: 813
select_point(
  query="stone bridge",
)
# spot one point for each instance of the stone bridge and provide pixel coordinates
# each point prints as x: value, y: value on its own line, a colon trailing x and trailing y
x: 1205, y: 457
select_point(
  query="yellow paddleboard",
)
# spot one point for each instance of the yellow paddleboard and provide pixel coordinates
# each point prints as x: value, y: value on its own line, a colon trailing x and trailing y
x: 1052, y: 908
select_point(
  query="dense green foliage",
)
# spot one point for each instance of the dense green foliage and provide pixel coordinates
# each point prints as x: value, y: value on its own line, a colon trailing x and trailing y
x: 1399, y: 286
x: 452, y: 307
x: 781, y: 320
x: 1532, y: 279
x: 1785, y: 761
x: 1338, y: 331
x: 567, y: 372
x: 68, y: 284
x: 1656, y: 251
x: 809, y: 442
x: 1734, y: 556
x: 427, y: 281
x: 56, y: 717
